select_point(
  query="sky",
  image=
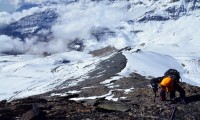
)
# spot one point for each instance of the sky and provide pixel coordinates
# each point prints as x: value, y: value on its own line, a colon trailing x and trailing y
x: 5, y: 5
x: 11, y: 5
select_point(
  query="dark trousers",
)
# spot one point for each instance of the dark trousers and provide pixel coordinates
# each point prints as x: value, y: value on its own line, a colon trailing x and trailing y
x: 172, y: 93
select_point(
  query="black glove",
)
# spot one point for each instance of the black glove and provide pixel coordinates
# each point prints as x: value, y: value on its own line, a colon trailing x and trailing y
x: 155, y: 89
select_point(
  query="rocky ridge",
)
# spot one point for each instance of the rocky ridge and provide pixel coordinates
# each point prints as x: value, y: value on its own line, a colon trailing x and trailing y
x: 137, y: 104
x: 123, y: 99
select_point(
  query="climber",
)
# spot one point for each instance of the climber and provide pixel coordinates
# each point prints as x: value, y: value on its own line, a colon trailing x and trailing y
x: 169, y: 83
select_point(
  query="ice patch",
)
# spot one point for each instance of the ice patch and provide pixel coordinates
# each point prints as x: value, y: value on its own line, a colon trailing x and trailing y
x: 126, y: 91
x: 108, y: 96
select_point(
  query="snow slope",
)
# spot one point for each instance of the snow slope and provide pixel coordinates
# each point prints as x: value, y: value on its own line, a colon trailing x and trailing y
x: 23, y: 75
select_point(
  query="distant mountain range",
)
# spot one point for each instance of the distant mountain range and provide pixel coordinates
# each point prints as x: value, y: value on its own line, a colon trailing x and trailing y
x: 38, y: 24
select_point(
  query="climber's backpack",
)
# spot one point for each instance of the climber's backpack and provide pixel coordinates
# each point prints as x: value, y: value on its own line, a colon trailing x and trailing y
x: 173, y: 72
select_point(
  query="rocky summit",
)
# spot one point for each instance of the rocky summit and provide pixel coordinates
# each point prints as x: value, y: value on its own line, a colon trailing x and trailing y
x: 140, y: 103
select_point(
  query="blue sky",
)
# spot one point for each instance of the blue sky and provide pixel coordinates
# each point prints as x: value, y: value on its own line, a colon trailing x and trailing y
x: 11, y: 5
x: 6, y: 6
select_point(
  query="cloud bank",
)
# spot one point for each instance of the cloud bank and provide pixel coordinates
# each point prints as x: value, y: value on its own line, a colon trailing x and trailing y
x: 75, y: 22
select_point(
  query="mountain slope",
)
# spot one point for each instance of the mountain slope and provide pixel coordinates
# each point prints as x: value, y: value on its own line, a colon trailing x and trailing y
x: 161, y: 34
x: 137, y: 103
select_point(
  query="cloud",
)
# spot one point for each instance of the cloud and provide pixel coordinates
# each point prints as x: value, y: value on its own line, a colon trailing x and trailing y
x: 33, y: 46
x: 17, y: 3
x: 8, y: 44
x: 30, y: 46
x: 77, y: 20
x: 7, y: 18
x: 14, y: 3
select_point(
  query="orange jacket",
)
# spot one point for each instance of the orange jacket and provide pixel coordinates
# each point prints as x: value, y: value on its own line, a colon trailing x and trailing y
x: 167, y: 83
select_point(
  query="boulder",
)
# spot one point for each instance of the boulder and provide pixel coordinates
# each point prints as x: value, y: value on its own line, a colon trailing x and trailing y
x: 3, y: 103
x: 113, y: 106
x: 32, y: 114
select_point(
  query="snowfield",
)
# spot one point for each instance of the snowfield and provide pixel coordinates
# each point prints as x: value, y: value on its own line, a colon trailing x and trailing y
x: 164, y: 44
x: 28, y: 76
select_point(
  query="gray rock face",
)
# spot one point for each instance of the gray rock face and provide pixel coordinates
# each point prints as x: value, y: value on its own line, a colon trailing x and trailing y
x: 32, y: 25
